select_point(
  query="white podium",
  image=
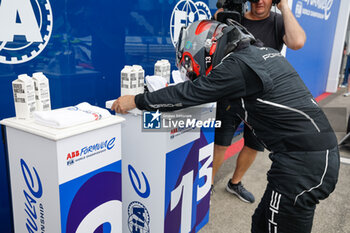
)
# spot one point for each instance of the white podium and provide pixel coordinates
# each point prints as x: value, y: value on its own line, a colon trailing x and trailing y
x: 166, y: 175
x: 65, y: 180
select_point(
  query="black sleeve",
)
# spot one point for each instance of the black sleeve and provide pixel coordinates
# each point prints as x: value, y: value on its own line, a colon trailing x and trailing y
x: 225, y: 81
x: 280, y: 29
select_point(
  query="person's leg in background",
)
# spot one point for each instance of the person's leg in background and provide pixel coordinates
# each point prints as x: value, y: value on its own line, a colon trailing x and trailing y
x: 346, y: 73
x: 223, y: 135
x: 223, y: 138
x: 348, y: 92
x: 219, y: 157
x: 244, y: 160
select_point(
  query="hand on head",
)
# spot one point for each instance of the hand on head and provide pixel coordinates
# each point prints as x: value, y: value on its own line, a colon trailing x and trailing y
x: 282, y: 4
x: 217, y: 12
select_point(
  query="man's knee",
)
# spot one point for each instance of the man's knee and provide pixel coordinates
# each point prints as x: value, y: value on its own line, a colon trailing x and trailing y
x: 249, y: 150
x: 220, y: 148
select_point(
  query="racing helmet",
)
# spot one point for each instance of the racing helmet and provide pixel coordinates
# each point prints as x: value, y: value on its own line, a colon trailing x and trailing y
x: 204, y: 43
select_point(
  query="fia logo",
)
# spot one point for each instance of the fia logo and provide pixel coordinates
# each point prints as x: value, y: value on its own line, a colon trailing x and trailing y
x: 25, y: 29
x: 152, y: 120
x: 184, y: 13
x: 138, y: 221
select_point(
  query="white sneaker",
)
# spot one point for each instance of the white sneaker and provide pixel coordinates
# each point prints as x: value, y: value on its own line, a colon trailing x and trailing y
x: 346, y: 94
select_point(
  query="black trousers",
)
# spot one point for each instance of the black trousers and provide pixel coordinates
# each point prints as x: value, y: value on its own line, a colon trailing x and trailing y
x: 297, y: 181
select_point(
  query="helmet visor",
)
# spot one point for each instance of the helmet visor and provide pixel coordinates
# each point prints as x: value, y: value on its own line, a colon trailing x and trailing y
x: 180, y: 46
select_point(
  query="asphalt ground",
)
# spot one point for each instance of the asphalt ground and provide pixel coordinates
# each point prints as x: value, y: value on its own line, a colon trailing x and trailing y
x: 228, y: 214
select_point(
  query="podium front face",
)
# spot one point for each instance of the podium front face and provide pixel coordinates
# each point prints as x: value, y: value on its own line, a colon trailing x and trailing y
x: 166, y: 178
x: 187, y: 185
x: 71, y: 185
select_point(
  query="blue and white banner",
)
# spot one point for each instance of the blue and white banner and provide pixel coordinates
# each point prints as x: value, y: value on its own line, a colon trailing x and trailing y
x: 187, y: 185
x: 319, y: 20
x: 92, y: 203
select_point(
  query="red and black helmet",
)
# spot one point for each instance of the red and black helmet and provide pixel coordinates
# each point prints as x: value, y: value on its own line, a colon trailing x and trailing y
x: 198, y: 45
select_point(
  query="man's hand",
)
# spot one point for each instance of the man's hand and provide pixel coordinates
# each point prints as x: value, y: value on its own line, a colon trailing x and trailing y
x: 123, y: 104
x: 282, y: 5
x: 294, y: 36
x: 217, y: 12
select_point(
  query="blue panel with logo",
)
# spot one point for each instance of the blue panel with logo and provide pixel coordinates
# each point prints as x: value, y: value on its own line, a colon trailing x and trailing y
x: 185, y: 169
x: 319, y: 20
x: 138, y: 215
x: 80, y: 197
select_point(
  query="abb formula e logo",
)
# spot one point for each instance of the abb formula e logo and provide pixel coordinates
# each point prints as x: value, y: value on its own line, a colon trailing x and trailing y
x: 186, y: 12
x: 90, y: 150
x: 25, y: 29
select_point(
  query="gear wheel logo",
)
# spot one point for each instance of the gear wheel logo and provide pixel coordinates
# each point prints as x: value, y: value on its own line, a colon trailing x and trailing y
x: 25, y: 29
x: 184, y: 13
x: 203, y: 10
x: 139, y: 218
